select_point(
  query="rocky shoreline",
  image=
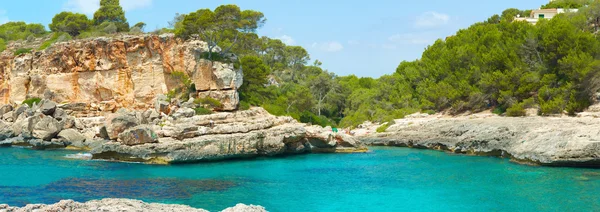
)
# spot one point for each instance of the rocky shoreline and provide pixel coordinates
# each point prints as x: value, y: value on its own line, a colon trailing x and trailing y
x: 153, y: 137
x: 546, y: 141
x: 110, y: 205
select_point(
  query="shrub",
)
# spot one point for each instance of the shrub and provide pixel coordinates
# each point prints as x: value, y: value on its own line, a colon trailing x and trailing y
x: 30, y: 101
x: 309, y: 117
x: 202, y: 111
x: 499, y: 110
x: 22, y: 51
x: 109, y: 28
x: 213, y: 103
x: 136, y: 30
x: 430, y: 112
x: 2, y: 45
x: 516, y: 110
x: 56, y: 37
x: 244, y: 105
x: 384, y: 127
x: 215, y: 56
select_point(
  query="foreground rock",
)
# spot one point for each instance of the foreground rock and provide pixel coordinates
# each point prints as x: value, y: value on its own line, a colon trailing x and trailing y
x: 117, y: 205
x: 533, y: 140
x: 221, y: 136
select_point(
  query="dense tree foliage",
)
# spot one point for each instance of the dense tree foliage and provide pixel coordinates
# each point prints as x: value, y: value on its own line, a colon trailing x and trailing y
x: 566, y: 4
x: 20, y: 30
x: 112, y: 12
x: 223, y: 27
x: 72, y: 23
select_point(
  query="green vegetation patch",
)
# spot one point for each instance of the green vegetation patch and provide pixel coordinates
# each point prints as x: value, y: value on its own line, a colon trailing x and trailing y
x: 22, y: 51
x: 210, y: 102
x: 31, y: 101
x: 383, y: 128
x: 202, y: 111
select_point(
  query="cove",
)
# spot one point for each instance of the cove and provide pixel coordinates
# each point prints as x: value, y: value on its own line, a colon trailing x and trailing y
x: 385, y: 179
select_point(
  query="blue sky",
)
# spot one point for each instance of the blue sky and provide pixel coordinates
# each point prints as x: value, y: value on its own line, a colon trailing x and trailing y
x: 365, y: 38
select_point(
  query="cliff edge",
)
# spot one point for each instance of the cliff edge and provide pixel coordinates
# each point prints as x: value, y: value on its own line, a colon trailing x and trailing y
x: 120, y: 72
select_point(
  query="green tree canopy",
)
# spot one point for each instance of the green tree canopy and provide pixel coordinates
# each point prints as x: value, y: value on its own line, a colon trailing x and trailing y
x: 111, y: 11
x: 20, y: 30
x: 72, y: 23
x: 222, y: 27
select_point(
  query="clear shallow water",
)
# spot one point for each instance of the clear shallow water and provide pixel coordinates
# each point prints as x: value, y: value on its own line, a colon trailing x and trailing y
x: 387, y: 179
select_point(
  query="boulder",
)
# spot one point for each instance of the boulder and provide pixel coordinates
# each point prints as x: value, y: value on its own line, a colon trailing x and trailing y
x: 59, y: 114
x: 5, y: 109
x: 71, y: 135
x: 47, y: 107
x: 184, y: 113
x: 6, y: 131
x: 46, y: 128
x: 118, y: 123
x: 8, y: 116
x: 20, y: 109
x: 189, y: 104
x: 138, y: 135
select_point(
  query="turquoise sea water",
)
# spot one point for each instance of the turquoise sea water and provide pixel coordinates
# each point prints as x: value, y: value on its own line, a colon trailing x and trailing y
x: 387, y: 179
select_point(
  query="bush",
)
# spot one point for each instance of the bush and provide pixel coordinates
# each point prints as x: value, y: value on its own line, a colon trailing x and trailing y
x: 56, y: 37
x: 244, y: 105
x: 30, y: 101
x: 213, y: 103
x: 135, y: 30
x: 499, y: 110
x: 430, y: 112
x: 309, y: 117
x: 516, y: 110
x: 22, y: 51
x: 109, y: 28
x: 2, y: 45
x: 202, y: 111
x: 215, y: 56
x: 383, y: 128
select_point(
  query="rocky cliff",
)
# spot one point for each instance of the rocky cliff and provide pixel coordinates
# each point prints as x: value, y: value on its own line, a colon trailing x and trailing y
x: 111, y: 73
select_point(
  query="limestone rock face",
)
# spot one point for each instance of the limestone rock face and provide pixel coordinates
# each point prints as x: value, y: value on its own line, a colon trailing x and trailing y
x: 138, y: 135
x: 220, y: 136
x: 127, y: 71
x: 533, y: 140
x: 118, y: 123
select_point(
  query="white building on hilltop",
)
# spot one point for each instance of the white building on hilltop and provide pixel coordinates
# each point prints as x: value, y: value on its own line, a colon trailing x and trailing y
x: 536, y: 15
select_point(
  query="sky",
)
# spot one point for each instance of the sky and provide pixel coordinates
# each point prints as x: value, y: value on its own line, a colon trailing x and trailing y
x: 364, y: 38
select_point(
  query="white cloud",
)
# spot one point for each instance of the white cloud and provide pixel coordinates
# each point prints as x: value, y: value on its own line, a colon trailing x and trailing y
x: 333, y: 46
x: 432, y: 19
x: 353, y: 42
x: 412, y: 38
x: 90, y: 6
x: 287, y: 40
x: 3, y: 17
